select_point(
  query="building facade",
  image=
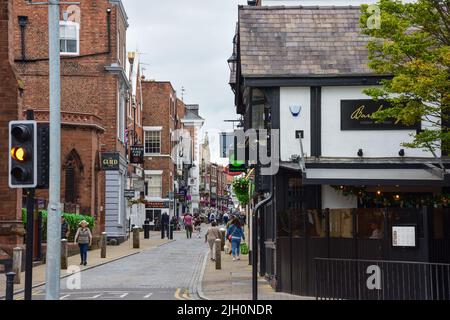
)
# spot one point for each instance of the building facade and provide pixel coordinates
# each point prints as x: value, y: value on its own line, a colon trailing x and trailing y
x: 11, y: 90
x: 345, y: 186
x: 94, y: 89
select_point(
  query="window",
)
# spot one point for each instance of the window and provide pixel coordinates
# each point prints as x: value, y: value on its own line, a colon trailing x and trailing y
x: 69, y: 33
x: 152, y: 142
x: 154, y: 185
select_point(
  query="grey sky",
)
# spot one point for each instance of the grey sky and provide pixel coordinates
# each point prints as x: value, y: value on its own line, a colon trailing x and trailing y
x: 188, y: 43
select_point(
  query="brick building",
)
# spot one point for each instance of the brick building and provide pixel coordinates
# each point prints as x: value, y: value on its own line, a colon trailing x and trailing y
x: 159, y: 115
x: 93, y: 98
x: 11, y: 229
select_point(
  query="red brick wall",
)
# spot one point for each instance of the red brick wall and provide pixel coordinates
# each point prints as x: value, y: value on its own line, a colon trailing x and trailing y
x: 10, y: 200
x: 89, y: 94
x: 158, y: 111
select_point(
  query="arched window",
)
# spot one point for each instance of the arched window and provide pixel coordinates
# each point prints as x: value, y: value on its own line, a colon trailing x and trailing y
x: 73, y: 169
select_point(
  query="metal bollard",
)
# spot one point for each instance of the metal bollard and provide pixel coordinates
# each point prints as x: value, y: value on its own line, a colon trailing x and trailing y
x: 17, y: 264
x: 10, y: 286
x: 146, y: 229
x: 222, y: 235
x: 64, y: 254
x: 136, y: 238
x: 103, y: 240
x: 217, y: 244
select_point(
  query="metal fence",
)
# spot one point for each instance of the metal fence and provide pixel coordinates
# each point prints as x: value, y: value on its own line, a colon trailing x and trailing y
x: 350, y: 279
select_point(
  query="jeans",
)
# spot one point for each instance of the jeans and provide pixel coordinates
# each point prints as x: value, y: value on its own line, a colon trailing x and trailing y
x: 83, y: 251
x: 235, y: 246
x: 188, y: 231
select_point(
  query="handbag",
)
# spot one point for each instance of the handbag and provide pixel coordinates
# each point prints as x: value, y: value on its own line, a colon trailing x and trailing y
x: 244, y: 248
x: 230, y: 237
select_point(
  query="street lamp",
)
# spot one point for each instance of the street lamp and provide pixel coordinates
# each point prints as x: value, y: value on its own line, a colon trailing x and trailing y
x: 232, y: 61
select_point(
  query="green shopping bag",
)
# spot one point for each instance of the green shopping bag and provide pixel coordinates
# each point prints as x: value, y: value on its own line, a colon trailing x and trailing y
x: 244, y: 248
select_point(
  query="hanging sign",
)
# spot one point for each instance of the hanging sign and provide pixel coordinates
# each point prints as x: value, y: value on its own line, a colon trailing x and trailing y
x: 137, y: 154
x: 357, y: 115
x: 110, y: 161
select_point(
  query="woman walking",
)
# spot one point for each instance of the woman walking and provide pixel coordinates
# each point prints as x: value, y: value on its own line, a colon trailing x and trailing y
x: 235, y: 234
x: 84, y: 239
x: 212, y: 235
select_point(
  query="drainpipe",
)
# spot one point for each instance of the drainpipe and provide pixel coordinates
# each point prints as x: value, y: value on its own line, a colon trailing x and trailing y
x: 23, y: 21
x: 260, y: 205
x: 108, y: 23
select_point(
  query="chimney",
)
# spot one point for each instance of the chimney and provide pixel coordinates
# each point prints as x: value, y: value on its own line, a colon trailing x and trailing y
x: 254, y: 3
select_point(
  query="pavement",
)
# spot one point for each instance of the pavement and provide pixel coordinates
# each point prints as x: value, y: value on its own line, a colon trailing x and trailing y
x: 113, y: 253
x: 160, y: 269
x: 234, y: 282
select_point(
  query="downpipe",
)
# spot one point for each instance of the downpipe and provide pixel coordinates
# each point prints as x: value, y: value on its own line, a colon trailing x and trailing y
x: 260, y: 205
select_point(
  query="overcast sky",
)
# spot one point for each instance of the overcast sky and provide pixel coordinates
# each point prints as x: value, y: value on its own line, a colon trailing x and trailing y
x: 188, y: 43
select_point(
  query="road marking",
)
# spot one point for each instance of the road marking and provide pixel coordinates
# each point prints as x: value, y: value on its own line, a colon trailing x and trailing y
x: 63, y: 297
x: 186, y: 295
x: 124, y: 295
x: 177, y: 294
x: 90, y: 298
x: 148, y: 295
x: 36, y: 292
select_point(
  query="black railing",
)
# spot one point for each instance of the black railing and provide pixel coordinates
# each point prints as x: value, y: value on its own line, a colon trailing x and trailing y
x: 350, y: 279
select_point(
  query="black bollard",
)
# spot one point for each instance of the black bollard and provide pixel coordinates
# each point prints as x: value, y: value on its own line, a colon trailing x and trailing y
x: 10, y: 285
x: 171, y: 231
x: 146, y: 229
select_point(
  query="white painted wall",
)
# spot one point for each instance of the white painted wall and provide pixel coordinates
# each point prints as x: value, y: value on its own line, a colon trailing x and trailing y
x: 289, y: 124
x: 375, y: 143
x: 332, y: 199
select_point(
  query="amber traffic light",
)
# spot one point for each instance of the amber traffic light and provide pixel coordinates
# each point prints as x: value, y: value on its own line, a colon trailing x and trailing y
x: 22, y: 154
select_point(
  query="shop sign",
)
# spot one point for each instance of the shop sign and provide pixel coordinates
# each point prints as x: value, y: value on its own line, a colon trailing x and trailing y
x: 357, y: 115
x: 110, y: 161
x: 129, y: 193
x: 137, y: 154
x: 157, y: 204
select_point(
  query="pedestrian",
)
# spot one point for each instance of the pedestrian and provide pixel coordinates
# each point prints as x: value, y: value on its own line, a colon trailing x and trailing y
x: 235, y: 233
x: 212, y: 217
x: 198, y: 225
x: 211, y: 236
x: 84, y: 239
x: 65, y: 228
x: 188, y: 225
x: 225, y: 218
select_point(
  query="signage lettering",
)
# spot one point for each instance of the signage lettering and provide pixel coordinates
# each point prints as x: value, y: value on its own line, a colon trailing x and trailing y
x: 358, y: 115
x: 110, y: 161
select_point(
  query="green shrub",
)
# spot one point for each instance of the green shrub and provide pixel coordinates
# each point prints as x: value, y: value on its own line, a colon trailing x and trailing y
x: 72, y: 219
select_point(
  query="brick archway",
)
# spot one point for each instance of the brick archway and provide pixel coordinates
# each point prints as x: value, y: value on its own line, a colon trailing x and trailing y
x: 73, y: 170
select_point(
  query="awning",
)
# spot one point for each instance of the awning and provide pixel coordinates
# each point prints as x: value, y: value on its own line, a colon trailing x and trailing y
x: 370, y: 174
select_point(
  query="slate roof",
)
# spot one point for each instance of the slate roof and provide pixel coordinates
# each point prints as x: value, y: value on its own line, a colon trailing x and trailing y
x: 191, y: 112
x: 302, y: 41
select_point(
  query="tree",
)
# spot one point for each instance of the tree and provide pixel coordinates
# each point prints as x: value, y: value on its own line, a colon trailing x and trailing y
x: 412, y: 45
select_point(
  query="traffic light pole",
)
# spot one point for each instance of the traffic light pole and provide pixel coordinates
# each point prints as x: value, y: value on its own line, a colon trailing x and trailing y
x: 53, y: 259
x: 29, y: 244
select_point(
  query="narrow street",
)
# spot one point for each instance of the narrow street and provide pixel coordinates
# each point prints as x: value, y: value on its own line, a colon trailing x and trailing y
x: 169, y: 272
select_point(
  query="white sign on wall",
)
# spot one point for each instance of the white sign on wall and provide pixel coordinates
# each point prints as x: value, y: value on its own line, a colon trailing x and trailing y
x: 404, y: 236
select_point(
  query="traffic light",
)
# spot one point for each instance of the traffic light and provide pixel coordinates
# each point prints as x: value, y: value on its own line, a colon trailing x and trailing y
x: 22, y: 154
